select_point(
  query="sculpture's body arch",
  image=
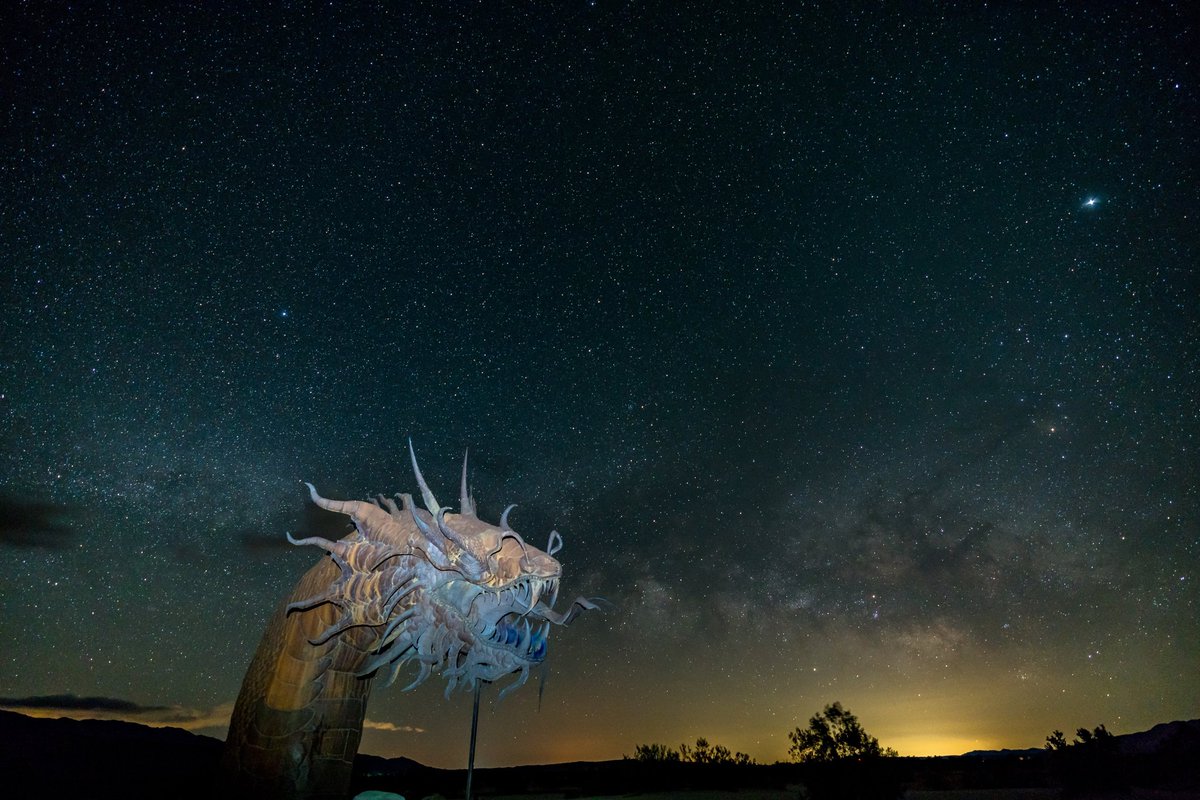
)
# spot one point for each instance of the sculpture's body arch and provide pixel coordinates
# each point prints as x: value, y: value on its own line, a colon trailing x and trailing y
x: 450, y: 592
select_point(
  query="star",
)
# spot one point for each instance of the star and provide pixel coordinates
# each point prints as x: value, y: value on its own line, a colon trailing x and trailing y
x: 1091, y: 202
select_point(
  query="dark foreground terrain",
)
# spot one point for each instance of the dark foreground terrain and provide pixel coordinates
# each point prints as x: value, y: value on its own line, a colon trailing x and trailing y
x: 99, y: 759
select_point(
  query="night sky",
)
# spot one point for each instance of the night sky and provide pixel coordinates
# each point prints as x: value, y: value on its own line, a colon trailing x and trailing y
x: 853, y: 348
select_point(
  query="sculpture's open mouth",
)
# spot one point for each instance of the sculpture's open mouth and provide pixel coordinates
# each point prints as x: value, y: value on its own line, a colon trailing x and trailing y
x: 512, y: 618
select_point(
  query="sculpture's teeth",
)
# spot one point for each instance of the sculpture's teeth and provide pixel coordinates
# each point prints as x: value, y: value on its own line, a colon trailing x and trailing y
x: 539, y: 636
x: 537, y: 642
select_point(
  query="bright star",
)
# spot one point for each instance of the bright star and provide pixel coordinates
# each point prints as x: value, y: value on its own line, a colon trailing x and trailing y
x: 1091, y: 202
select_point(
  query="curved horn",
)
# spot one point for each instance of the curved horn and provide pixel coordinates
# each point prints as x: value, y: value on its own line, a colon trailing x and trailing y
x: 431, y: 503
x: 466, y: 504
x: 449, y: 532
x: 422, y: 525
x: 349, y: 507
x: 504, y: 518
x: 554, y: 544
x: 511, y: 534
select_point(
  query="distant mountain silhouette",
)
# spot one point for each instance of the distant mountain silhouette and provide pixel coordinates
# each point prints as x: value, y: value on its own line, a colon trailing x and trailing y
x: 1168, y: 738
x: 1006, y: 753
x: 1163, y: 739
x: 105, y: 758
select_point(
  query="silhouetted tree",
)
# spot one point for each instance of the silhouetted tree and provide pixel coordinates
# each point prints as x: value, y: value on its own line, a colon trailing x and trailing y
x: 706, y: 754
x: 843, y: 760
x: 1090, y: 762
x: 832, y: 735
x: 1098, y: 737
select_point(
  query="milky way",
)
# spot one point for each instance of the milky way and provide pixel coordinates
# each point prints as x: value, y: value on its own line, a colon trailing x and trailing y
x: 854, y: 354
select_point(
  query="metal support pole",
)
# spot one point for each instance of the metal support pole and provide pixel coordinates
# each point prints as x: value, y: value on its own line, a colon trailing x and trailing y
x: 474, y: 728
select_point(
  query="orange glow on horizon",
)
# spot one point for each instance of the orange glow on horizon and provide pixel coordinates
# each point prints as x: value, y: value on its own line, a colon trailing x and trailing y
x: 932, y: 744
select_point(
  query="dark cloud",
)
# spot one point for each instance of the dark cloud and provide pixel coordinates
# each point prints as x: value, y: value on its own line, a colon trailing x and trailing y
x: 927, y: 549
x: 73, y: 707
x: 29, y: 523
x: 71, y: 702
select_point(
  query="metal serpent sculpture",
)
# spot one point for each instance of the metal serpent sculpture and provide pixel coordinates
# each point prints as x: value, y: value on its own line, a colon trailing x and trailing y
x: 448, y: 591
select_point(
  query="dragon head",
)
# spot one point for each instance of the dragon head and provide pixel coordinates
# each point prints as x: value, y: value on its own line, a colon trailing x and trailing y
x: 458, y: 595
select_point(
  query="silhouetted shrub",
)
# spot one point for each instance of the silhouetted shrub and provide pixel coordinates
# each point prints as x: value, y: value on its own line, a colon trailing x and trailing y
x: 702, y: 753
x: 654, y: 752
x: 1089, y: 763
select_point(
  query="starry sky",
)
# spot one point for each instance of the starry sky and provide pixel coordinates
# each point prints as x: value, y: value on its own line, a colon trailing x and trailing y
x: 852, y: 347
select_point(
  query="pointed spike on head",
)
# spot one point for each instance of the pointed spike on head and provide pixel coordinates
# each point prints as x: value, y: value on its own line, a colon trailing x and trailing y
x: 504, y: 518
x: 466, y: 504
x: 430, y: 502
x: 422, y: 526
